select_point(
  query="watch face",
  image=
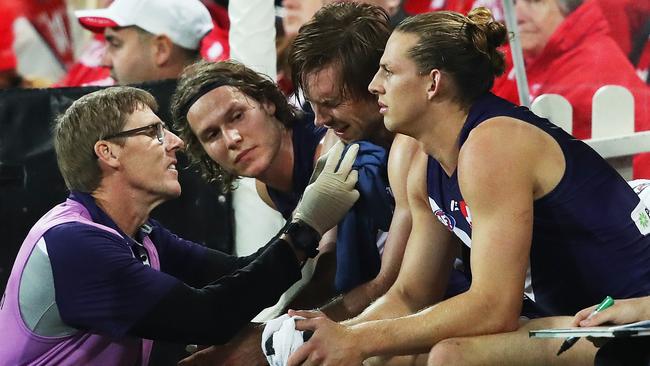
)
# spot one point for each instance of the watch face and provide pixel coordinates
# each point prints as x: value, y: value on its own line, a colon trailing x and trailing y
x: 304, y: 237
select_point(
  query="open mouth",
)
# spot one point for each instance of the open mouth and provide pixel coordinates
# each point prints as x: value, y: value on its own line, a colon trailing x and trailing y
x: 340, y: 131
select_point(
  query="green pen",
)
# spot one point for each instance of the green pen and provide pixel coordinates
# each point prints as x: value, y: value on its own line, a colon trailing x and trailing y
x: 569, y: 342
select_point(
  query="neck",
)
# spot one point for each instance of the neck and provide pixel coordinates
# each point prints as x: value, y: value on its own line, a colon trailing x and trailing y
x: 127, y: 208
x: 279, y: 174
x: 383, y: 137
x: 439, y: 137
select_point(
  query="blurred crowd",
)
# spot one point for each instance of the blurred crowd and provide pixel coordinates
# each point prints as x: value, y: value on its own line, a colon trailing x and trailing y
x: 570, y: 48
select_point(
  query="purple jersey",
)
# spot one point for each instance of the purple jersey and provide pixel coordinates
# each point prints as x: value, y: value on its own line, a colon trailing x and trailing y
x: 101, y: 305
x: 22, y: 346
x: 590, y: 233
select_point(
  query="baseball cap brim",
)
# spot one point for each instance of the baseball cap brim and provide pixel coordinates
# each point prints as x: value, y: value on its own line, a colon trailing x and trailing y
x: 99, y: 19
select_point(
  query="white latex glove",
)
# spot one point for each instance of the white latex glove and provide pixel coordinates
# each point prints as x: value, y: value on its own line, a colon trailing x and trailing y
x: 331, y: 195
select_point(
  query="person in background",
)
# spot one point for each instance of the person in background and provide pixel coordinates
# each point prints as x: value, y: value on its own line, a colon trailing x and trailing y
x: 413, y: 7
x: 149, y: 39
x: 87, y: 70
x: 96, y: 280
x: 9, y: 77
x: 568, y: 51
x: 629, y: 24
x: 35, y: 42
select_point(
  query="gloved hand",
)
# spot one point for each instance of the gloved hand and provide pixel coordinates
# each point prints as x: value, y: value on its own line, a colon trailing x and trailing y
x: 330, y: 196
x: 318, y: 167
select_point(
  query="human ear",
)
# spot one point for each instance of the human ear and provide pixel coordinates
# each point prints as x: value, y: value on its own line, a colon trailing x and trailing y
x: 162, y: 49
x: 433, y: 83
x: 269, y: 107
x: 107, y: 153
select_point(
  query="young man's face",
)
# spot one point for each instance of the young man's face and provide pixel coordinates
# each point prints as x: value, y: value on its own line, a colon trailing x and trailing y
x: 350, y: 119
x: 237, y: 132
x: 400, y: 87
x: 129, y: 55
x: 146, y: 164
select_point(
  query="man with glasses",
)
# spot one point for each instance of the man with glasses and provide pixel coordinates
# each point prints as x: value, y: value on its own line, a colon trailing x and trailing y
x: 156, y: 130
x: 96, y: 280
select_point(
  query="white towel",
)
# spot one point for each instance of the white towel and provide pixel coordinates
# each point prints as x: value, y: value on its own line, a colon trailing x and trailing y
x: 280, y: 339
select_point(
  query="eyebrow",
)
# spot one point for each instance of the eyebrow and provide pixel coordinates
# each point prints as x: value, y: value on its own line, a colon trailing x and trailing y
x: 332, y: 99
x: 153, y: 122
x: 220, y: 116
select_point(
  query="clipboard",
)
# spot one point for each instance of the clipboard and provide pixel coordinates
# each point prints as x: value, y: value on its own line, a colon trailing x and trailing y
x: 638, y: 329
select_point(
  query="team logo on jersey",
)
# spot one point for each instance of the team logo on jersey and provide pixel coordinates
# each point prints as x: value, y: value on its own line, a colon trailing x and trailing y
x: 445, y: 219
x: 463, y: 208
x: 641, y: 217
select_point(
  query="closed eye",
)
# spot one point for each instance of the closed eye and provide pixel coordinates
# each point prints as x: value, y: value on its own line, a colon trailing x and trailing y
x: 211, y: 135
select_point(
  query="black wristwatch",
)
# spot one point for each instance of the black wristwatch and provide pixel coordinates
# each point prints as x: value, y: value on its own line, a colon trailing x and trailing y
x: 303, y: 237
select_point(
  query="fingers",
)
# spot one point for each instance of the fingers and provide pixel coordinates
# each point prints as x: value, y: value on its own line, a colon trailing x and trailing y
x: 582, y: 315
x: 599, y: 318
x: 355, y: 195
x: 307, y: 314
x: 318, y: 168
x: 352, y: 179
x: 348, y: 160
x: 333, y: 156
x: 299, y: 356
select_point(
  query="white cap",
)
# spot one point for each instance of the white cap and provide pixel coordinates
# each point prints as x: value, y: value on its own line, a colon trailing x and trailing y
x: 185, y: 22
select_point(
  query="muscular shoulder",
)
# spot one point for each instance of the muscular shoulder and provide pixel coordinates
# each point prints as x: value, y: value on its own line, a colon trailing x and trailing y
x: 506, y: 150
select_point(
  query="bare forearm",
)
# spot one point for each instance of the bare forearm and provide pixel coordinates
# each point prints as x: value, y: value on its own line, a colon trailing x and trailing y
x: 388, y: 306
x: 355, y: 301
x: 456, y: 317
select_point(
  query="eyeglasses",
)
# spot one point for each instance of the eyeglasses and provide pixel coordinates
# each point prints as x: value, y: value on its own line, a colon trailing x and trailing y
x: 157, y: 128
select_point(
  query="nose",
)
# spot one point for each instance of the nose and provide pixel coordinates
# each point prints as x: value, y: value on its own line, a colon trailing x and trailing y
x: 375, y: 86
x: 321, y: 117
x: 521, y: 10
x: 106, y: 60
x: 173, y: 142
x: 232, y: 137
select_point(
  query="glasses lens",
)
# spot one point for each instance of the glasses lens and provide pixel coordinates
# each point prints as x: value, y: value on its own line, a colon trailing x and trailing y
x: 160, y: 132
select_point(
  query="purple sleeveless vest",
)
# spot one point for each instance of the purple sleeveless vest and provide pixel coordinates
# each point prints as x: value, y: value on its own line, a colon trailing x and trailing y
x: 20, y: 346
